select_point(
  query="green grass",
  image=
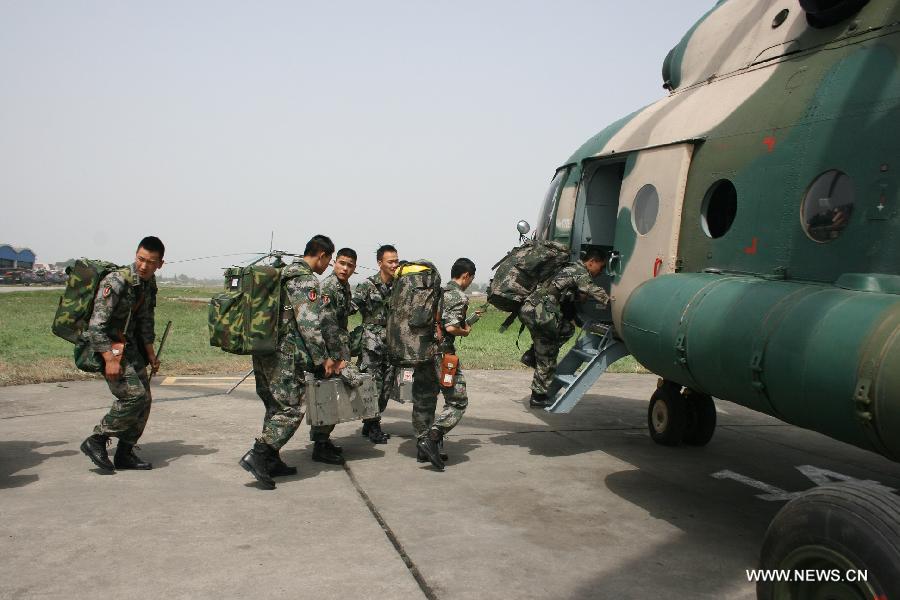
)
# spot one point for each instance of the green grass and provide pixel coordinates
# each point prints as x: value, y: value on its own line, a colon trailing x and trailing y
x: 30, y: 353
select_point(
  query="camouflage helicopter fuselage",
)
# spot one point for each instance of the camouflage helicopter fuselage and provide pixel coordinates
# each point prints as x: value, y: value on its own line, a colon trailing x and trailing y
x: 753, y: 217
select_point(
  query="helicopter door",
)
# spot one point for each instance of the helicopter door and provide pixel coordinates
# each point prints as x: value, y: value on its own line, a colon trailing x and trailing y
x: 649, y: 218
x: 595, y: 221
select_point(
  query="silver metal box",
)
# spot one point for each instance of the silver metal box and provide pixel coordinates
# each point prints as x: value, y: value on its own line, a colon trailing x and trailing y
x: 403, y: 382
x: 331, y: 401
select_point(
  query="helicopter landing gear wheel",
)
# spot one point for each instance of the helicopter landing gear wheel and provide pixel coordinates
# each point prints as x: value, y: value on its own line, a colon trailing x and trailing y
x: 847, y: 533
x: 667, y: 416
x: 701, y: 418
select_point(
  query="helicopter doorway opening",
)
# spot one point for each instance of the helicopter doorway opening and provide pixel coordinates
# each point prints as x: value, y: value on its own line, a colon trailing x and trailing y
x: 595, y: 221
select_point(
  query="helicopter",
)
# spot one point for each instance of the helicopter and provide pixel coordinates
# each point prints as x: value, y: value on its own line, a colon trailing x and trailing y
x: 751, y: 222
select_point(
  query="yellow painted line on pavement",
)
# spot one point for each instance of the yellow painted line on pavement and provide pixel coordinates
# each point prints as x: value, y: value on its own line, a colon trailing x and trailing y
x: 202, y: 381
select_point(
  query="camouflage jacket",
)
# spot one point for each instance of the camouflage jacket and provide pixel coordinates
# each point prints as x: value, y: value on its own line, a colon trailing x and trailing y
x: 301, y: 319
x: 454, y: 304
x: 336, y: 310
x: 372, y: 297
x: 119, y: 293
x: 572, y: 283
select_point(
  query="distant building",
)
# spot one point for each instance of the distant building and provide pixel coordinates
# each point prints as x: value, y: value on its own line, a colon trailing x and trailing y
x: 12, y: 257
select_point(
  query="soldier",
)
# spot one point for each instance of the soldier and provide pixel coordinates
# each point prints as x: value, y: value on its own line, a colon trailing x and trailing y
x: 121, y: 329
x: 428, y: 377
x: 372, y: 298
x: 574, y: 283
x: 280, y: 376
x: 336, y: 308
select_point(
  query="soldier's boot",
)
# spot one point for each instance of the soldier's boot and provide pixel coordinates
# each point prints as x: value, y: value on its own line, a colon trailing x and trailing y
x: 277, y: 467
x: 323, y: 452
x: 254, y: 462
x: 373, y: 431
x: 334, y: 448
x: 94, y: 448
x: 423, y: 458
x: 428, y: 445
x: 539, y: 400
x: 528, y: 358
x: 126, y: 458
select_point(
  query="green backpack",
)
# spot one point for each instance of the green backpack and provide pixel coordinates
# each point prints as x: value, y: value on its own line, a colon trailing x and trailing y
x: 77, y: 302
x: 520, y: 272
x: 245, y: 318
x: 415, y: 297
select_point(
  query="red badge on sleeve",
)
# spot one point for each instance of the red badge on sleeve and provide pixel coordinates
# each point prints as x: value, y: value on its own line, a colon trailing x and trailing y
x: 312, y: 295
x: 107, y: 291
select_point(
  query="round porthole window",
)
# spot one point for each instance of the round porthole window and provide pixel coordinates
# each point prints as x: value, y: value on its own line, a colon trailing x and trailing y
x: 827, y: 206
x: 719, y: 208
x: 646, y: 207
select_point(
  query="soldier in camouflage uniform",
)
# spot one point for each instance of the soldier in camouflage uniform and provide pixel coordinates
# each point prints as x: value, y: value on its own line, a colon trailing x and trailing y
x: 430, y: 431
x: 281, y: 375
x: 122, y: 330
x: 372, y: 298
x: 336, y: 310
x: 574, y: 283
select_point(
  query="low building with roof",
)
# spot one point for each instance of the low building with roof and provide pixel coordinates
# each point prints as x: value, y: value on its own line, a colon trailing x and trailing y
x: 12, y: 257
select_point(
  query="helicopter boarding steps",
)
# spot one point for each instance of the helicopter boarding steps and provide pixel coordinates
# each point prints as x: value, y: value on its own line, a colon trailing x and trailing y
x: 596, y: 349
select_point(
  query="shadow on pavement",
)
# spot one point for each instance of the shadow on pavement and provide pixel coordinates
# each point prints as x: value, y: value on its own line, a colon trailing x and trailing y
x: 162, y: 453
x: 18, y: 456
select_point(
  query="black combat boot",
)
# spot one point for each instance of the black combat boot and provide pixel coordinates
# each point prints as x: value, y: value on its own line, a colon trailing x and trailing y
x: 334, y: 448
x: 423, y: 458
x: 539, y: 400
x: 428, y: 445
x: 126, y: 458
x: 255, y: 461
x: 277, y: 468
x: 373, y: 431
x: 95, y: 449
x: 323, y: 452
x: 528, y: 358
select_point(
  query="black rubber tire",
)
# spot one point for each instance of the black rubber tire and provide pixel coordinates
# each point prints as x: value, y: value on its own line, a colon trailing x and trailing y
x: 859, y: 524
x: 701, y: 418
x: 667, y: 423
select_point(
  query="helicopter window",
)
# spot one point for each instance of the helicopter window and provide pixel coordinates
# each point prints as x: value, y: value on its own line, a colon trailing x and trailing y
x: 827, y: 206
x: 646, y: 207
x: 545, y: 219
x: 565, y: 212
x: 719, y: 208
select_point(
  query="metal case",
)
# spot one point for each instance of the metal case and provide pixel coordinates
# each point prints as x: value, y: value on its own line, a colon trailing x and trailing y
x: 331, y: 401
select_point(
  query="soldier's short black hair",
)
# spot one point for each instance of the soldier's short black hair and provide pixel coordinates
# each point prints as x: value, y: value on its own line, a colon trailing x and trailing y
x: 348, y: 252
x: 461, y: 267
x: 151, y: 243
x: 379, y: 254
x: 318, y: 244
x: 593, y: 253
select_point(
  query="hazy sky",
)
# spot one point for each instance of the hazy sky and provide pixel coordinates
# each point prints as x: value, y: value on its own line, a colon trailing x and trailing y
x: 431, y: 125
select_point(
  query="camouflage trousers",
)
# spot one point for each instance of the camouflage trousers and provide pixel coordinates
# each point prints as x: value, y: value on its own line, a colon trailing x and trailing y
x: 425, y: 390
x: 374, y: 361
x: 280, y: 385
x: 128, y: 415
x: 546, y: 353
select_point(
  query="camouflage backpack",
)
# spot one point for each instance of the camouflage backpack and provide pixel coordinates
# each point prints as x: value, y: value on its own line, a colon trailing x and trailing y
x: 415, y: 296
x: 244, y: 319
x: 77, y: 302
x: 520, y: 272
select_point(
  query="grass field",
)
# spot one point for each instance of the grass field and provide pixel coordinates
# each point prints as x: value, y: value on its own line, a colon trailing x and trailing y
x: 30, y: 353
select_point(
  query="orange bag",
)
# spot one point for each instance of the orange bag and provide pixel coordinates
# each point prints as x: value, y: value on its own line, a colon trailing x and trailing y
x: 449, y: 366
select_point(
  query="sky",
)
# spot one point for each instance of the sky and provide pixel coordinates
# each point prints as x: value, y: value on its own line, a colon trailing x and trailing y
x: 217, y: 125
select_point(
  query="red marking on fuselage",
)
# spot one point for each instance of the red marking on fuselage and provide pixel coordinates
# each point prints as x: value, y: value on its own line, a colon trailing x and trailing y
x: 657, y: 265
x: 751, y: 249
x: 769, y: 142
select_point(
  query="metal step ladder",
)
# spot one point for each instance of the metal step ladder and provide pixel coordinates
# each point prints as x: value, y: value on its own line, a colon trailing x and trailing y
x: 596, y: 349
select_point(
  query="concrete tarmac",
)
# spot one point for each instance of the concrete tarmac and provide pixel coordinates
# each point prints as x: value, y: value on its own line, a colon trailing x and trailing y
x: 531, y: 505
